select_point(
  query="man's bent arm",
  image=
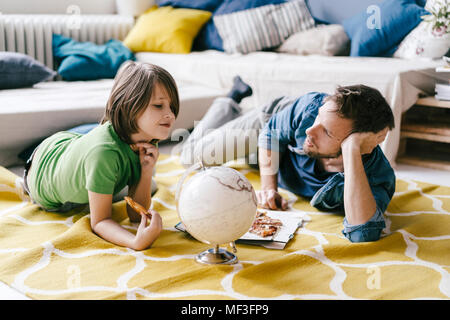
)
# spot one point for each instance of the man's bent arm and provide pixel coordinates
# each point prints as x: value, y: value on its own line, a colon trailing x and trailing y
x: 359, y: 202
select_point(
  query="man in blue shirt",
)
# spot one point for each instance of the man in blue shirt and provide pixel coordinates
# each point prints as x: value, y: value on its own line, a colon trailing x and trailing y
x: 307, y: 145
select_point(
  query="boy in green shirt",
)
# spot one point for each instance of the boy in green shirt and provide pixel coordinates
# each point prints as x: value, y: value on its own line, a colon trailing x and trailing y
x: 70, y: 169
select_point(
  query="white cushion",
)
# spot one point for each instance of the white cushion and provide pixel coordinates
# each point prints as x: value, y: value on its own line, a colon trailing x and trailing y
x: 262, y: 27
x: 421, y: 43
x: 327, y: 40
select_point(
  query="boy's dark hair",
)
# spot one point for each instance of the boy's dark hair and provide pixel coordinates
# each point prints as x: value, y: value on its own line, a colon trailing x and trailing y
x: 364, y: 105
x: 131, y: 94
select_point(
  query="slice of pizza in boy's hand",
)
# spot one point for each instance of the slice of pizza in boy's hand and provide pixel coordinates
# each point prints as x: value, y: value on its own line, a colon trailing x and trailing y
x: 137, y: 207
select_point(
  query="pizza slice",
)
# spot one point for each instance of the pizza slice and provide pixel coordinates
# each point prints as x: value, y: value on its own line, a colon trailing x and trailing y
x: 265, y: 226
x: 137, y: 207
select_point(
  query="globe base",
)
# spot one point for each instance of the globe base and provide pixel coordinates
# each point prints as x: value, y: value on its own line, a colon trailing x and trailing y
x: 216, y: 256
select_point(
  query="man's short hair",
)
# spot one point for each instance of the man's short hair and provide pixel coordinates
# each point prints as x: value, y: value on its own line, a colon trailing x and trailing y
x: 364, y: 105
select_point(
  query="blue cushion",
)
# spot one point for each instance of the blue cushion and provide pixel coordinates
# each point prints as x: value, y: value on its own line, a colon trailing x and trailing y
x: 18, y: 70
x: 209, y: 38
x: 397, y: 19
x: 335, y: 12
x: 327, y: 12
x: 87, y: 60
x: 208, y: 5
x: 84, y: 128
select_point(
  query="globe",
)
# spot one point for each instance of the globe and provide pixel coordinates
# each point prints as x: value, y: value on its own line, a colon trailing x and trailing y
x: 217, y: 205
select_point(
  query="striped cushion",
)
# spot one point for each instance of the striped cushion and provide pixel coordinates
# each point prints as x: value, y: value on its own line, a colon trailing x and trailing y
x: 262, y: 27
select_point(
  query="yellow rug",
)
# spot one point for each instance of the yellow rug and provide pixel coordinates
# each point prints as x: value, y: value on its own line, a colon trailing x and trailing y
x: 56, y: 256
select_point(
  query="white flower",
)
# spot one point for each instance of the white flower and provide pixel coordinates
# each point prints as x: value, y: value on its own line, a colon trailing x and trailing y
x: 439, y: 17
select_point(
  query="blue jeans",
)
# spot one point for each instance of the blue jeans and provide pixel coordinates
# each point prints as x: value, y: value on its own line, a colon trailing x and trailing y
x: 369, y: 231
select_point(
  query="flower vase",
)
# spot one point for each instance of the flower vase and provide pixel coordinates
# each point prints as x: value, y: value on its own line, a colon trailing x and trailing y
x: 435, y: 46
x: 422, y: 42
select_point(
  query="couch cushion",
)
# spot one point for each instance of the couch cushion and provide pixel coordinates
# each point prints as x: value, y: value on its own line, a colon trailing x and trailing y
x: 377, y: 30
x: 208, y: 5
x: 327, y: 40
x: 18, y: 70
x: 420, y: 43
x: 263, y: 27
x: 166, y: 29
x: 335, y: 12
x: 209, y: 38
x: 87, y: 60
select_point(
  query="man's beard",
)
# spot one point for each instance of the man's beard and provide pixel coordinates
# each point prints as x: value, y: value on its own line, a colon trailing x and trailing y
x: 318, y: 155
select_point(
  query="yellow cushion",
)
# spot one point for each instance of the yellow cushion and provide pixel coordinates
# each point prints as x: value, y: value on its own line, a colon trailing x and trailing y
x: 166, y: 29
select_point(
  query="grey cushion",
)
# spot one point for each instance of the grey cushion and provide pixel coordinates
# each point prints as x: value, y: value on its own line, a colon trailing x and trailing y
x: 18, y: 70
x: 263, y: 27
x: 327, y: 40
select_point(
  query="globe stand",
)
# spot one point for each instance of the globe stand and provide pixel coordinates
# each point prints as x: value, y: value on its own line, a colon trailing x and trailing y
x: 216, y: 256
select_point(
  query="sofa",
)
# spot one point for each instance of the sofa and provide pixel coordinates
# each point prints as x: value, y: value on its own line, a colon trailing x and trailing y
x: 204, y: 73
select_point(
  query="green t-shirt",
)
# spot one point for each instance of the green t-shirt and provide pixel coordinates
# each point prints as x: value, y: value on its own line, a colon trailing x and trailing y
x: 66, y: 165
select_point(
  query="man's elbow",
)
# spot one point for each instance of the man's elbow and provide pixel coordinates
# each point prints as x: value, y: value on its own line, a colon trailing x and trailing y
x: 363, y: 235
x: 365, y: 232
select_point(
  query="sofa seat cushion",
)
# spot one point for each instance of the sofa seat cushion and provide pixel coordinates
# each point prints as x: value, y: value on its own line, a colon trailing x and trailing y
x: 30, y: 114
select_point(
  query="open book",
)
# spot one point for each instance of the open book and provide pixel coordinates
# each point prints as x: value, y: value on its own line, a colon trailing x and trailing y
x: 290, y: 222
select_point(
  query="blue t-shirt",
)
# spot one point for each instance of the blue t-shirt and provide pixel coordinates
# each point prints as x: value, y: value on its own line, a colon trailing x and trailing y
x: 285, y: 132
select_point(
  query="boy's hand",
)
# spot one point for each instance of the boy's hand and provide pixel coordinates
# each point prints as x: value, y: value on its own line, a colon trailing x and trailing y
x: 148, y: 155
x: 271, y: 199
x: 146, y: 235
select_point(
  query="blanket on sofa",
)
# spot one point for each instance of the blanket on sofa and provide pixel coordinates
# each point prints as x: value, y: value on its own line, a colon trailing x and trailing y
x: 56, y: 256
